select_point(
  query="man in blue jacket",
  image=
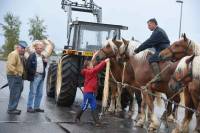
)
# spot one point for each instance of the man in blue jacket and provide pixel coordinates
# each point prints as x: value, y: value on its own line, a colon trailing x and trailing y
x: 158, y: 40
x: 36, y: 65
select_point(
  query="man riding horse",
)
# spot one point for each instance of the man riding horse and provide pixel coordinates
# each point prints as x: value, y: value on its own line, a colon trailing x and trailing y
x: 159, y: 41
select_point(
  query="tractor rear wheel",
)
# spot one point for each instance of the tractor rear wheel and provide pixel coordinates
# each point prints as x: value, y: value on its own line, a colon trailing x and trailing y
x: 51, y: 80
x: 67, y: 80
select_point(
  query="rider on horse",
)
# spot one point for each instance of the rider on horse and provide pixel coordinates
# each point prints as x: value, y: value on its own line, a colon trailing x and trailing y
x: 159, y: 41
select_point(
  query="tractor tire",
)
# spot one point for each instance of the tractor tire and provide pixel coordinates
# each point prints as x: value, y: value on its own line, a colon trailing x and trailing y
x: 51, y: 80
x: 67, y: 80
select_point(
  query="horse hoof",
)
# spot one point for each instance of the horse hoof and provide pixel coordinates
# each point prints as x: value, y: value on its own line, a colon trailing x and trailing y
x: 152, y: 130
x: 176, y: 130
x: 171, y: 119
x: 139, y: 123
x: 130, y: 113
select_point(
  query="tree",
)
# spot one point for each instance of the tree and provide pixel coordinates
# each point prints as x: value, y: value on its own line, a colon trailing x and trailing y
x: 11, y: 28
x: 37, y: 29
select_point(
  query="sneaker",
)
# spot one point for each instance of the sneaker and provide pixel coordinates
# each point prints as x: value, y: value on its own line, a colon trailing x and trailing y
x: 15, y: 112
x: 39, y: 110
x: 30, y: 110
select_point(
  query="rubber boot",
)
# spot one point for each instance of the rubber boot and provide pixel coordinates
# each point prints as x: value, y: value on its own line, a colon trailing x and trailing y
x: 156, y: 70
x: 96, y: 119
x: 78, y: 116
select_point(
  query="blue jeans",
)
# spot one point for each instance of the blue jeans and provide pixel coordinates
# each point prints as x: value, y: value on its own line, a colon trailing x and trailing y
x: 89, y: 98
x: 36, y: 91
x: 15, y: 87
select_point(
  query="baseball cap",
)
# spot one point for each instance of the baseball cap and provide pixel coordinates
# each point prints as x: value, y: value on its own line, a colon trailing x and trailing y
x: 23, y: 44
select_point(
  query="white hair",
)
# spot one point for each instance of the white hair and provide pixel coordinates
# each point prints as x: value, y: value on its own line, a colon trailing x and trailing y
x: 112, y: 45
x: 182, y: 64
x: 196, y: 67
x: 195, y: 47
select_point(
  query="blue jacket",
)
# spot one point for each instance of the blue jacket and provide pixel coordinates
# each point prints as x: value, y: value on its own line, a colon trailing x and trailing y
x: 158, y: 40
x: 32, y: 65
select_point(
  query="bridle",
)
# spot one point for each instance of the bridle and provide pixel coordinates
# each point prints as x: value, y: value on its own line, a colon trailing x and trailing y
x: 185, y: 52
x: 124, y: 52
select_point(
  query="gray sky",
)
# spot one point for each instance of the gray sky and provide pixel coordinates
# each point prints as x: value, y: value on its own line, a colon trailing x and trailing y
x: 131, y: 13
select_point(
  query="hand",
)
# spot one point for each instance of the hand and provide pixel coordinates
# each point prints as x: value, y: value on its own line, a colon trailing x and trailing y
x: 45, y: 60
x: 136, y: 51
x: 107, y: 60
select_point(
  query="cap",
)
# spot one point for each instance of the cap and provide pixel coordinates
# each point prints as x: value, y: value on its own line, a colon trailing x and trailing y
x: 23, y: 44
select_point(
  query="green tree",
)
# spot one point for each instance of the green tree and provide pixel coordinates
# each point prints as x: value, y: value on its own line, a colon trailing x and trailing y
x: 11, y: 28
x: 37, y: 29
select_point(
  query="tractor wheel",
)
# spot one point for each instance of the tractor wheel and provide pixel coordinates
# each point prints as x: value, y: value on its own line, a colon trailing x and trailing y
x: 51, y: 80
x: 67, y: 80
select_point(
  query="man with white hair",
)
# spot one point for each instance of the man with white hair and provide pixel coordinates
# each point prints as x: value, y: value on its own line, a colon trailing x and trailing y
x: 36, y: 64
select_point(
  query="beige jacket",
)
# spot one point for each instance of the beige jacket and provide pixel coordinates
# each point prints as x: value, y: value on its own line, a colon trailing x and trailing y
x: 14, y: 64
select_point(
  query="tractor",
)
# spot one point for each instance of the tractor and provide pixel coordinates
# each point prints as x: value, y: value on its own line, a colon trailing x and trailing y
x: 83, y: 39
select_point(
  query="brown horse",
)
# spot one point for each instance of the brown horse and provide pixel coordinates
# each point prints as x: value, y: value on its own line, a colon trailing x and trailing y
x: 118, y: 72
x: 143, y: 74
x: 187, y: 74
x: 180, y: 48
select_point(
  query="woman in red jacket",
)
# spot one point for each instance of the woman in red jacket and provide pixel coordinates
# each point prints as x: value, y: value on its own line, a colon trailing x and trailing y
x: 90, y: 75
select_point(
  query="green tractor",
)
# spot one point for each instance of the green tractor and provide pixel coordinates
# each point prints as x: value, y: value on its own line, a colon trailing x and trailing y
x: 84, y: 38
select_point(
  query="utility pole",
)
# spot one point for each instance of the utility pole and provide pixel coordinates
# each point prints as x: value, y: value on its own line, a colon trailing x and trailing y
x: 180, y: 2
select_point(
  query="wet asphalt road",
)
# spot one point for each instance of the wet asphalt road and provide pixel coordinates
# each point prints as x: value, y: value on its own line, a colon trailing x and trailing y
x: 60, y: 119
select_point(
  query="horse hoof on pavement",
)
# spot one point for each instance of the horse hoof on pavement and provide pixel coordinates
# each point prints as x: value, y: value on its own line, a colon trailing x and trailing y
x: 176, y: 130
x: 139, y: 123
x: 152, y: 130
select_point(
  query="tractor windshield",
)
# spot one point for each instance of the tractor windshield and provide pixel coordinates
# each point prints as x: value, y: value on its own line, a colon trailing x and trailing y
x: 93, y: 40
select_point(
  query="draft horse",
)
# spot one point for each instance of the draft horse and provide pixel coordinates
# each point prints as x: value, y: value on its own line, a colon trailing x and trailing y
x: 118, y: 72
x: 144, y: 74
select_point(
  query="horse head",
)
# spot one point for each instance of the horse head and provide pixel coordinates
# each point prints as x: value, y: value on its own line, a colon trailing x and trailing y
x: 182, y: 74
x: 122, y: 55
x: 177, y: 50
x: 109, y: 50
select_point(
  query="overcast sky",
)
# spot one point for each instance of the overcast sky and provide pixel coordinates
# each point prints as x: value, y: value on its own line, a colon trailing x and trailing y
x: 131, y: 13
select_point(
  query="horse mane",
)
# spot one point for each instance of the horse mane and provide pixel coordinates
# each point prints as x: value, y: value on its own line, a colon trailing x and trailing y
x: 196, y: 67
x: 112, y: 45
x: 195, y: 47
x: 182, y: 64
x: 141, y: 56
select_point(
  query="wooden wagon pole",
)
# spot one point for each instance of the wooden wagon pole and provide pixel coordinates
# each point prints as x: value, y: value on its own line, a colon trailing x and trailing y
x: 105, y: 90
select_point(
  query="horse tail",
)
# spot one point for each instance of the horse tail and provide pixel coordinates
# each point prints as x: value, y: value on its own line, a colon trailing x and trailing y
x: 182, y: 96
x: 158, y: 99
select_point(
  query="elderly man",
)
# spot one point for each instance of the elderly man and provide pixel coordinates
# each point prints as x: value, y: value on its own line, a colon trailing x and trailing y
x: 158, y: 40
x: 14, y: 75
x: 36, y: 65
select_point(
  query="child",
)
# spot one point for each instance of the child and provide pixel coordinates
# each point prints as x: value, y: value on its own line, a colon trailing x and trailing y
x: 90, y: 85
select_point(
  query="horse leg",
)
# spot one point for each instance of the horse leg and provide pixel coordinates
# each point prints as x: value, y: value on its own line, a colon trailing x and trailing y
x: 131, y: 104
x: 188, y: 114
x: 112, y: 102
x: 118, y: 101
x: 154, y: 120
x: 176, y: 99
x: 140, y: 119
x: 197, y: 128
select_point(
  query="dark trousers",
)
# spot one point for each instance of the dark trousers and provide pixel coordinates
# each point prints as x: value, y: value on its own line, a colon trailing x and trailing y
x: 15, y: 86
x: 154, y: 58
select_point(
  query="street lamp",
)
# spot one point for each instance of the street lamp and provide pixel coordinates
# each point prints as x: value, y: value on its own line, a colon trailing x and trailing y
x: 181, y: 2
